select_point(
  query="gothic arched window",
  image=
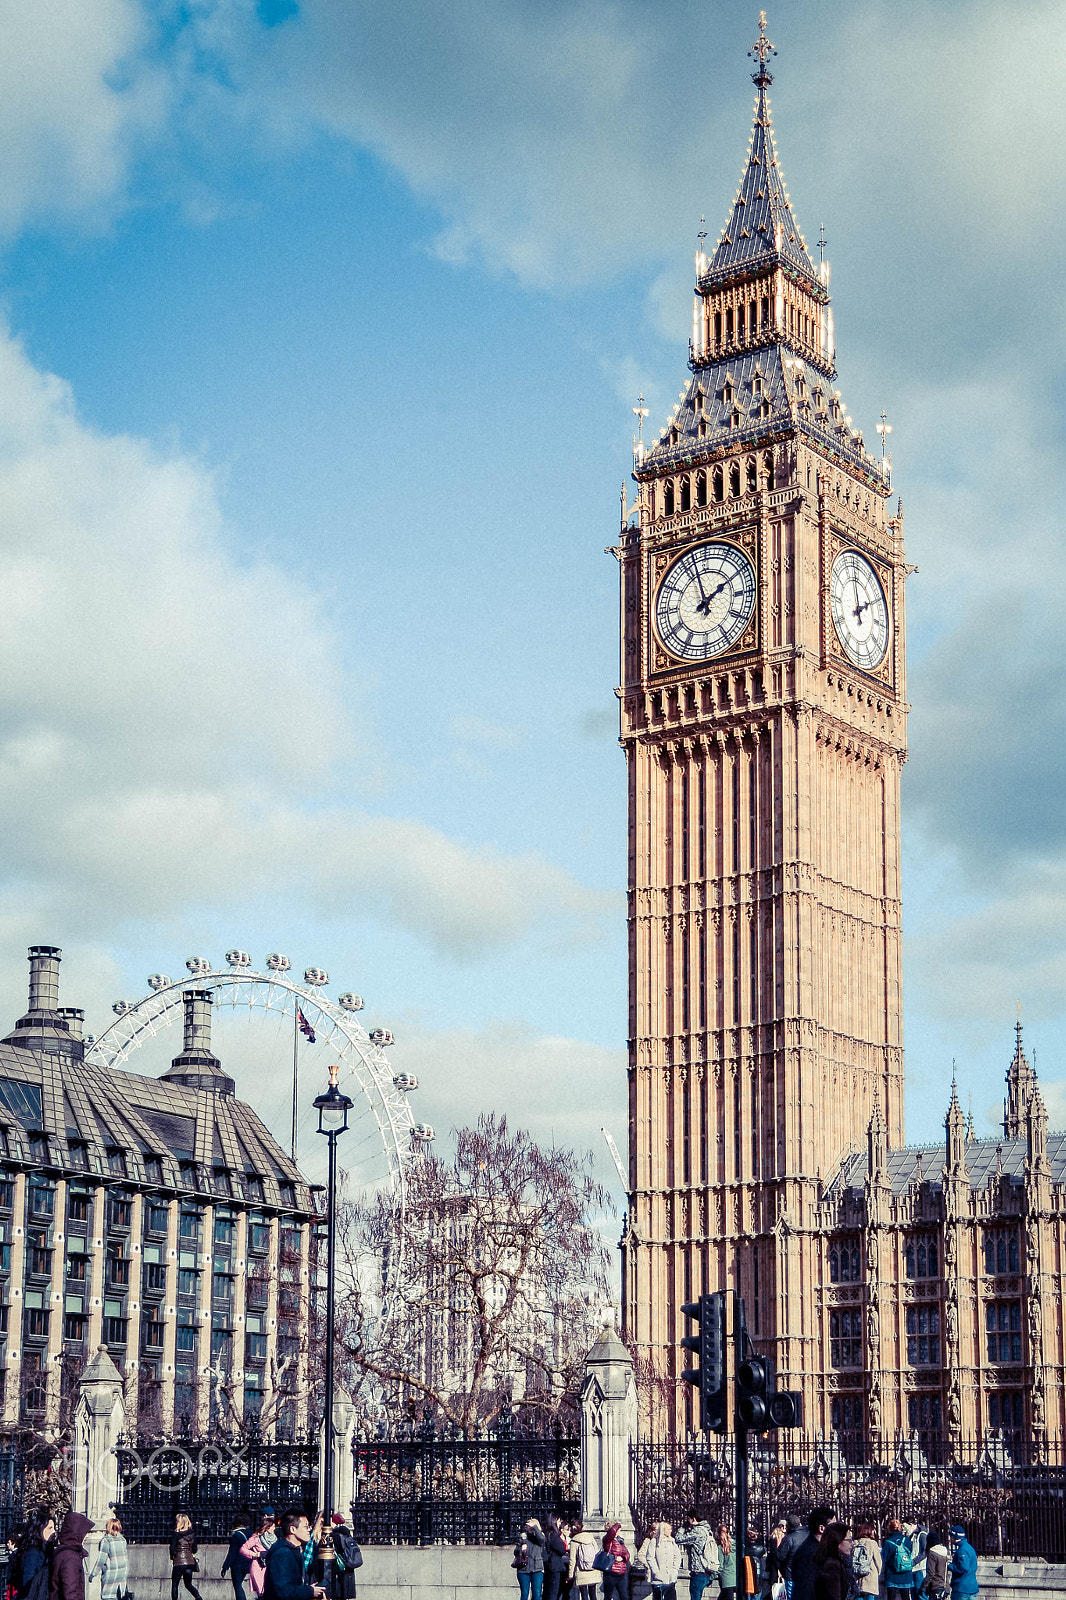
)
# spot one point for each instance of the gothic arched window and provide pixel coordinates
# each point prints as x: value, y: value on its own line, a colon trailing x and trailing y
x: 719, y: 490
x: 768, y: 468
x: 908, y: 1260
x: 734, y: 479
x: 834, y: 1267
x: 686, y: 493
x: 845, y: 1267
x: 701, y: 488
x: 753, y: 474
x: 668, y: 500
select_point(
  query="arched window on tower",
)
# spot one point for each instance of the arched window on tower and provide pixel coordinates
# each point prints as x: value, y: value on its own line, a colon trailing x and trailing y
x: 768, y: 468
x: 753, y: 475
x: 766, y: 310
x: 668, y: 499
x: 834, y: 1266
x: 729, y: 325
x: 686, y: 493
x: 734, y: 479
x: 701, y: 488
x: 717, y: 483
x: 718, y: 330
x: 740, y: 322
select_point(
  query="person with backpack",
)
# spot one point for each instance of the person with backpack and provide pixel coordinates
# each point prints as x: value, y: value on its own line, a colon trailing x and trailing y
x: 702, y: 1553
x: 866, y: 1561
x: 897, y: 1562
x: 583, y: 1573
x: 347, y: 1556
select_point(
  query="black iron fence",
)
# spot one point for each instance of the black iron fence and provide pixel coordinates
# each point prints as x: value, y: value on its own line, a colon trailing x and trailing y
x: 213, y: 1481
x: 1009, y: 1495
x: 429, y: 1490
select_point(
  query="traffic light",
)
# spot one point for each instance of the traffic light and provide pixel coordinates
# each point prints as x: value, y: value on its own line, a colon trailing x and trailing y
x: 709, y: 1343
x: 755, y: 1388
x: 786, y: 1409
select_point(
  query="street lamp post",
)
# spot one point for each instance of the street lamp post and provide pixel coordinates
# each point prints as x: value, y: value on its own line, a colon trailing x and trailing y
x: 333, y: 1108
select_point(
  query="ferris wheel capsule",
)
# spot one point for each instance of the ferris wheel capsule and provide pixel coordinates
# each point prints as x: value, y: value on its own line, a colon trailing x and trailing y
x: 278, y: 963
x: 198, y: 965
x: 316, y: 977
x: 350, y: 1002
x: 406, y: 1081
x: 381, y: 1036
x: 423, y: 1133
x: 238, y: 958
x: 120, y: 1007
x: 157, y: 981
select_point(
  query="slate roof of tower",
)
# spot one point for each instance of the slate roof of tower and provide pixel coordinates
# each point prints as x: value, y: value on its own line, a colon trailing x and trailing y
x: 808, y: 405
x: 982, y: 1158
x: 761, y: 222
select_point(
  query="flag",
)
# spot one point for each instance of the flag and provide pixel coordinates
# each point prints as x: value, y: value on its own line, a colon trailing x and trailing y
x: 304, y: 1026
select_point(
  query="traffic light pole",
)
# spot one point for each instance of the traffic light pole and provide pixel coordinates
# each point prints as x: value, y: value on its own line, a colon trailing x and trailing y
x: 740, y: 1543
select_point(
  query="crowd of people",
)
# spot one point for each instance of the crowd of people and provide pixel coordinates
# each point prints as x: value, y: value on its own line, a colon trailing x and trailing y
x: 825, y: 1560
x: 277, y: 1559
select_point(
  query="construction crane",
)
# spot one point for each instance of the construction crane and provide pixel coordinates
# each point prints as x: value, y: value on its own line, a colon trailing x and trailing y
x: 617, y: 1159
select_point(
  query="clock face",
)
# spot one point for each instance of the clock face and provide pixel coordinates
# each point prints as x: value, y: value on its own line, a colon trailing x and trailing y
x: 705, y: 601
x: 860, y: 611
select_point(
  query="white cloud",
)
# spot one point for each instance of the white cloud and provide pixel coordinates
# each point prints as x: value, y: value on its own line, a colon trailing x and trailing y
x: 563, y: 1090
x: 175, y: 731
x: 77, y: 95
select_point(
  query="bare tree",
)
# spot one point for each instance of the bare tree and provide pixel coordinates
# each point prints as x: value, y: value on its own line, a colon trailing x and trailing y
x: 502, y: 1288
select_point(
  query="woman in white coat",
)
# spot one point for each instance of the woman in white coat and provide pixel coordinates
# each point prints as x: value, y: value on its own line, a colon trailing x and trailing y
x: 661, y: 1554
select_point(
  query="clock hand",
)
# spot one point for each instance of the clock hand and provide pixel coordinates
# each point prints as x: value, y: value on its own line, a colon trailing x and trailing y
x: 705, y: 604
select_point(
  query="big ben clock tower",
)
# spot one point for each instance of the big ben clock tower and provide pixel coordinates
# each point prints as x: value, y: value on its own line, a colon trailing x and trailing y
x: 763, y: 721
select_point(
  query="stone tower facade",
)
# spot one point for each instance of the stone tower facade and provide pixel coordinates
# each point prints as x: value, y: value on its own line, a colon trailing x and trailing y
x: 763, y: 717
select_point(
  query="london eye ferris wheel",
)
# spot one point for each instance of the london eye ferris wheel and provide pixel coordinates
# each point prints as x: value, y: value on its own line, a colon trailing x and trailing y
x: 272, y: 1020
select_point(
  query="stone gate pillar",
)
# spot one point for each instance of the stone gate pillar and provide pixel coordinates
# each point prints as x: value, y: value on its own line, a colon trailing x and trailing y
x: 608, y: 1428
x: 99, y: 1422
x: 343, y: 1463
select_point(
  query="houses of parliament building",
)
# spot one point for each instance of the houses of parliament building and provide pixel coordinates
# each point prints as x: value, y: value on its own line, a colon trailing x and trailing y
x: 763, y: 719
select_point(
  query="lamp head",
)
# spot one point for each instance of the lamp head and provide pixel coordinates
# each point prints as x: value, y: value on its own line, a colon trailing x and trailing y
x: 333, y: 1107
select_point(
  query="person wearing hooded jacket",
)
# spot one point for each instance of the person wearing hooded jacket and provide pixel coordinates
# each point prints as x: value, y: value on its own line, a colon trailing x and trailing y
x: 584, y: 1548
x: 68, y: 1563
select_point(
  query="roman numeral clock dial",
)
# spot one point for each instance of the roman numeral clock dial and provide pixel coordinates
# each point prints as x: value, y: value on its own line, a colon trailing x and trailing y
x: 705, y: 601
x: 860, y: 611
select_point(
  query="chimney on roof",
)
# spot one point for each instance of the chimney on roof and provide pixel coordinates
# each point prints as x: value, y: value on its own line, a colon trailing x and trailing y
x: 44, y: 977
x: 45, y: 1019
x: 197, y: 1067
x: 74, y: 1019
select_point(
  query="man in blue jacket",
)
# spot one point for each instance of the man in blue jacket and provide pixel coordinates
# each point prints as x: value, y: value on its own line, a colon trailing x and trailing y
x: 235, y: 1564
x: 285, y: 1562
x: 963, y: 1568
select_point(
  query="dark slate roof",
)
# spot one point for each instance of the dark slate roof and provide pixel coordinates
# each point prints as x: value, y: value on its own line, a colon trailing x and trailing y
x: 810, y: 407
x: 761, y: 222
x: 47, y: 1085
x: 982, y: 1157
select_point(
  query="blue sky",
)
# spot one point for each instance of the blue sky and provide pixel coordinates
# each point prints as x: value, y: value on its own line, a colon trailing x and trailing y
x: 323, y: 326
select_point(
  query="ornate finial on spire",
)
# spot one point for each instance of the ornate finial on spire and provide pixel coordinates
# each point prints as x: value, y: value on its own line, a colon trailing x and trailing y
x: 762, y: 48
x: 702, y: 235
x: 823, y: 242
x: 640, y: 411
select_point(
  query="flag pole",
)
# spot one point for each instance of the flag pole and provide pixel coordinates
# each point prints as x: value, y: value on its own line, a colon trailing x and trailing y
x: 295, y: 1068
